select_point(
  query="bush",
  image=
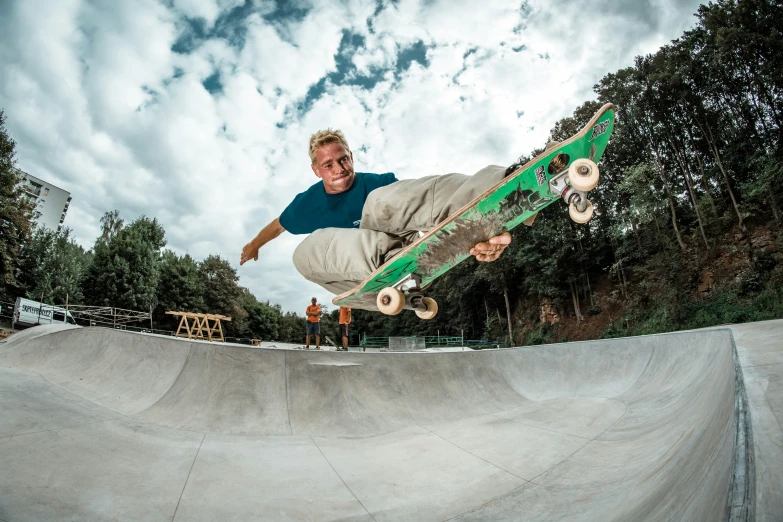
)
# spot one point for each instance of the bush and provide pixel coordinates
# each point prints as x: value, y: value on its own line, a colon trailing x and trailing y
x: 540, y: 335
x: 731, y: 305
x: 594, y: 310
x: 765, y: 262
x: 751, y: 283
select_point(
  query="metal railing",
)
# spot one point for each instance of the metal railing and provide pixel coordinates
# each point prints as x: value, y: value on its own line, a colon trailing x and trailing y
x: 374, y: 342
x: 442, y: 340
x: 34, y: 190
x: 119, y: 319
x: 437, y: 341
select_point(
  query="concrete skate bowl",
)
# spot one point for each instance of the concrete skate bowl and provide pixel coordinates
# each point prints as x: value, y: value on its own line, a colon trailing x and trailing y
x: 98, y: 424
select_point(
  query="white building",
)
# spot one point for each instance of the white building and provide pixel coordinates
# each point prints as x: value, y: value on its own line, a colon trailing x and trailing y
x: 51, y: 203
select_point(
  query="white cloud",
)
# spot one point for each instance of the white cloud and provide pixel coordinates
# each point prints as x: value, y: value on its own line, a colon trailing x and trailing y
x: 100, y: 104
x: 208, y: 10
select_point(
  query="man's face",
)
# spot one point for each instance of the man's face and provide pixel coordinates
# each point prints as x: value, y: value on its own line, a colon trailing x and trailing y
x: 334, y: 165
x: 313, y: 301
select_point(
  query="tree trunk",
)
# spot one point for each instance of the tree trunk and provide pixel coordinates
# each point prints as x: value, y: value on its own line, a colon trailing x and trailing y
x: 714, y: 149
x: 704, y: 183
x: 575, y: 298
x: 636, y: 234
x: 772, y: 203
x: 668, y: 196
x: 658, y: 231
x: 500, y: 320
x: 689, y: 182
x: 620, y: 274
x: 589, y: 289
x: 625, y: 279
x: 508, y: 315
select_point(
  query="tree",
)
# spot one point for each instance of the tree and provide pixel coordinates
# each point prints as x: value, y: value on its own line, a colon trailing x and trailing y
x: 125, y: 270
x: 180, y: 288
x: 15, y: 214
x: 495, y: 277
x: 52, y: 266
x: 222, y: 294
x: 292, y: 328
x: 263, y: 320
x: 111, y: 223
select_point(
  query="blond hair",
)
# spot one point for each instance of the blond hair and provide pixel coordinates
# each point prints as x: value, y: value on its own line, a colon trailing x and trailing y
x: 325, y: 137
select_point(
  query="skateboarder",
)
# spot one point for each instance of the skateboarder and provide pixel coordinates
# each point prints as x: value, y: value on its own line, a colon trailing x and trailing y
x: 345, y: 321
x: 357, y: 221
x: 313, y: 314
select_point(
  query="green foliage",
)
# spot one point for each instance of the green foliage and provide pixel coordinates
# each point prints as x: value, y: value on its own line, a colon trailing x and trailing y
x: 651, y: 320
x: 125, y: 269
x: 725, y: 307
x: 641, y: 188
x: 15, y: 214
x: 292, y: 328
x: 262, y: 320
x: 221, y: 290
x: 111, y: 223
x: 180, y: 288
x: 760, y: 192
x: 52, y: 266
x: 222, y: 293
x: 539, y: 335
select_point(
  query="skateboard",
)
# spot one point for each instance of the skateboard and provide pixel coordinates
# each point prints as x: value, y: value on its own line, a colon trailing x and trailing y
x: 565, y: 170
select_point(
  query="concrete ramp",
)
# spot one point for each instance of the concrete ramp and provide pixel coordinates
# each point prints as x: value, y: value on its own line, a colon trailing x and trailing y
x: 97, y: 424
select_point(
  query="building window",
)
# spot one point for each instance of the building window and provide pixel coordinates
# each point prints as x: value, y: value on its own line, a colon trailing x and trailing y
x: 46, y: 191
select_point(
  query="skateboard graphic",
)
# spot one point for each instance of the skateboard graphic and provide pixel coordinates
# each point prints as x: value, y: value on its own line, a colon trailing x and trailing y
x: 566, y: 170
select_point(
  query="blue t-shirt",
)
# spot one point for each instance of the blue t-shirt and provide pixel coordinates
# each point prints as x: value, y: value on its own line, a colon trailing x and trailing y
x: 314, y: 208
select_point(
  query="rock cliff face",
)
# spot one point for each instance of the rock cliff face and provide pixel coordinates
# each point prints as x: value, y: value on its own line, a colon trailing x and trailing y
x: 549, y: 313
x: 706, y: 282
x: 762, y: 239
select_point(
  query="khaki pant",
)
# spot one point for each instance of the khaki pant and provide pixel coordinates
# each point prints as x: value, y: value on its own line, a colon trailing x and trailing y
x: 338, y: 259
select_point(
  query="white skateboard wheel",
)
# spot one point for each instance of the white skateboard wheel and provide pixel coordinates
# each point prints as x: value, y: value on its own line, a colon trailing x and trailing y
x: 581, y: 216
x: 583, y: 174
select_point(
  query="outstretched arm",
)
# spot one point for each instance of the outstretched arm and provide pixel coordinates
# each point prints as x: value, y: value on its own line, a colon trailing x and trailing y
x: 267, y: 234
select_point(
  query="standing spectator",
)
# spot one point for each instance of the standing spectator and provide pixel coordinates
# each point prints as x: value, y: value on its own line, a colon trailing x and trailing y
x: 345, y: 320
x: 313, y: 324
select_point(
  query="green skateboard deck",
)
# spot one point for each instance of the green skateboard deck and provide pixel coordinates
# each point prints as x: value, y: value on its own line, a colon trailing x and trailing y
x: 559, y: 172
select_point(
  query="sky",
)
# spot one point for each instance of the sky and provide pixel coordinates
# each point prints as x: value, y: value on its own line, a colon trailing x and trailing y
x: 199, y: 112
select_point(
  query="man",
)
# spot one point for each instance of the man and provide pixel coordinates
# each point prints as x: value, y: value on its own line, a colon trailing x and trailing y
x: 313, y: 314
x: 357, y: 221
x: 345, y: 320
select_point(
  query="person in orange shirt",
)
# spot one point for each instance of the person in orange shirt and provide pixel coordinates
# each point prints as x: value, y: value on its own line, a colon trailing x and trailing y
x: 345, y: 320
x: 313, y: 324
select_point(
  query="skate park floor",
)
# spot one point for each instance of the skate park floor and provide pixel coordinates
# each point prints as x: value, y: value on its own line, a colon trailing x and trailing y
x: 101, y: 424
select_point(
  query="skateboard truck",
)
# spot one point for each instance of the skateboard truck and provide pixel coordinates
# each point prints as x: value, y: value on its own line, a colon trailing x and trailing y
x: 406, y: 292
x: 576, y: 197
x: 572, y: 184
